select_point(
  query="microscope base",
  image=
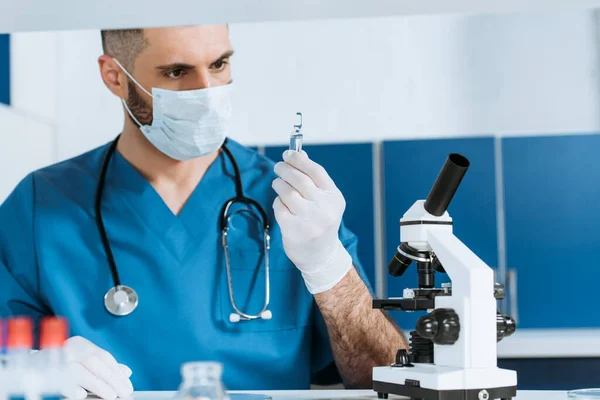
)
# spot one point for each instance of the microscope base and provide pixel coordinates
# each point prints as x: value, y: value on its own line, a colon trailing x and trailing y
x: 431, y: 382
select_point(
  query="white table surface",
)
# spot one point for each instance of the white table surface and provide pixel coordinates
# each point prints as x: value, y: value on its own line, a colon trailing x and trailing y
x: 345, y: 394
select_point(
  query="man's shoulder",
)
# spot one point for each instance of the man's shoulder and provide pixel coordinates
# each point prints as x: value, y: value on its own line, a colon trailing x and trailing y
x: 68, y: 178
x: 85, y: 166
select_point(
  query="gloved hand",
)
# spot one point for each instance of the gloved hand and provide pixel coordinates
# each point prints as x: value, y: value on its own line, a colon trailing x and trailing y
x: 309, y: 210
x: 93, y: 369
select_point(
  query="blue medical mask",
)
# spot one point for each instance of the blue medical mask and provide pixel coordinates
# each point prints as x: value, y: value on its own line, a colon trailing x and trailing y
x: 189, y: 123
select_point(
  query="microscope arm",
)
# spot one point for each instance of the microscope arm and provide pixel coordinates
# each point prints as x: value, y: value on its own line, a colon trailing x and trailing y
x: 472, y: 298
x: 469, y: 274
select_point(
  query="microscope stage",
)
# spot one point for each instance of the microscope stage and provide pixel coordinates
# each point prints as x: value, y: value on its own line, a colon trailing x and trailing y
x: 432, y: 382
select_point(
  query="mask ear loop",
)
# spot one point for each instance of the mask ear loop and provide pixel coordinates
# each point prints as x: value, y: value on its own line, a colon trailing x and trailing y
x: 130, y: 113
x: 138, y: 84
x: 132, y: 78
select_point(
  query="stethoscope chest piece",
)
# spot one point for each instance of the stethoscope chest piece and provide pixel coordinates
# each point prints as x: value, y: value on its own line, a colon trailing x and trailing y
x: 120, y: 300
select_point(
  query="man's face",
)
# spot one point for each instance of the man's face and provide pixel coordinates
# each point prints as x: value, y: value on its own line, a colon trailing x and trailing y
x: 185, y: 58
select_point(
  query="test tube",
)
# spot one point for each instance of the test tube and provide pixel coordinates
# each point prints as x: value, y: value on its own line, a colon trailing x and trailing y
x: 18, y: 346
x: 3, y: 374
x: 296, y: 136
x: 19, y: 341
x: 53, y: 334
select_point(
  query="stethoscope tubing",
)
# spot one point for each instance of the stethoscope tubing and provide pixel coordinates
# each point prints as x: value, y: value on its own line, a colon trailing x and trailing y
x: 130, y: 304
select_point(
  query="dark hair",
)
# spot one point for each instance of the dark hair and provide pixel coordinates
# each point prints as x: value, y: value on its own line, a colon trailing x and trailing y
x: 124, y: 45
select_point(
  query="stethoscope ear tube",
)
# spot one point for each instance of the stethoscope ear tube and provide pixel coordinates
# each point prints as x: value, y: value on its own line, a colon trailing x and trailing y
x: 239, y: 315
x: 244, y: 200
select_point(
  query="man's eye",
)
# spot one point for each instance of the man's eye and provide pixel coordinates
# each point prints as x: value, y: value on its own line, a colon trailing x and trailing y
x: 176, y: 73
x: 220, y: 64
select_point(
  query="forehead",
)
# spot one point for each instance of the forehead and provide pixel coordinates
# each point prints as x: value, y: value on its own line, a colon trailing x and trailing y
x: 193, y: 44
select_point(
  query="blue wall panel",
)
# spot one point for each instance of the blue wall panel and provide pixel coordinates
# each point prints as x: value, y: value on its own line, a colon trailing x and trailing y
x: 552, y: 193
x: 410, y: 169
x: 5, y: 69
x: 554, y: 373
x: 351, y: 168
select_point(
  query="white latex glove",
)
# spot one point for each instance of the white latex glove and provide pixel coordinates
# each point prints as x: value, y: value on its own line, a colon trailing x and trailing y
x: 93, y: 369
x: 309, y: 211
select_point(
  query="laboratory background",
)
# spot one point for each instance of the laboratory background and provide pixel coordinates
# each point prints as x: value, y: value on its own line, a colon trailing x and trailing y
x: 384, y: 100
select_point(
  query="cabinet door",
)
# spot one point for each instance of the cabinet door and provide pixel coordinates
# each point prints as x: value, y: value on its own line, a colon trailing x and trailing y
x: 5, y: 69
x: 552, y: 200
x: 410, y: 169
x: 351, y: 168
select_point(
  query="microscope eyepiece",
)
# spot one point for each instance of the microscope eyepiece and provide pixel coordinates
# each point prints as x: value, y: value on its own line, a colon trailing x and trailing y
x: 445, y: 186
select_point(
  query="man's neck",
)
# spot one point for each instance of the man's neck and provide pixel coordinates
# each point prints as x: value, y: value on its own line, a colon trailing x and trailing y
x: 173, y: 180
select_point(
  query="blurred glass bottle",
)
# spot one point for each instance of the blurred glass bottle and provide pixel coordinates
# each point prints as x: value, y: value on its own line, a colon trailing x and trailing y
x: 202, y: 381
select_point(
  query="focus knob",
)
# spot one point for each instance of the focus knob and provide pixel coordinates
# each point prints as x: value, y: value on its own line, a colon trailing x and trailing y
x: 402, y: 359
x: 441, y: 326
x: 505, y: 326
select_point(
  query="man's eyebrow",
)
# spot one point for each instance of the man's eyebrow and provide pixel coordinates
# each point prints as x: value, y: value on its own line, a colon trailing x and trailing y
x: 224, y: 56
x: 175, y: 66
x: 184, y: 66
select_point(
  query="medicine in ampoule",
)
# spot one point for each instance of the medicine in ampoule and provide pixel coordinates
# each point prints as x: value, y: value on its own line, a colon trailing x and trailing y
x: 296, y: 136
x: 296, y: 141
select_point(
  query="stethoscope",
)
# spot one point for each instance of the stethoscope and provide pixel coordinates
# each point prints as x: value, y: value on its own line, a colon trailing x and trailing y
x: 122, y: 300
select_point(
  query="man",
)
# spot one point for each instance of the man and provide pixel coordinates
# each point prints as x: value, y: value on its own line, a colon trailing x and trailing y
x: 162, y: 195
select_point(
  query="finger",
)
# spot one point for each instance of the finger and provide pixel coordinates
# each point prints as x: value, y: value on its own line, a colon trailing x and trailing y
x: 79, y: 345
x: 125, y: 370
x: 74, y: 392
x: 125, y: 388
x: 316, y: 172
x: 110, y: 361
x: 297, y: 179
x: 69, y: 386
x: 121, y: 385
x: 282, y: 213
x: 91, y: 382
x: 290, y: 197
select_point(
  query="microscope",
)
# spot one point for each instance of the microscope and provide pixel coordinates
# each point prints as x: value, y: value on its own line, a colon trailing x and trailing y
x: 453, y: 353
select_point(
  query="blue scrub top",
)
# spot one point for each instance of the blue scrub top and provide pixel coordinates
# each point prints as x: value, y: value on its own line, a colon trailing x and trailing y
x: 52, y: 263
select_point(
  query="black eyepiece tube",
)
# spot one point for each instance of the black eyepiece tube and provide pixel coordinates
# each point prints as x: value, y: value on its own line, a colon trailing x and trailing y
x: 399, y: 264
x: 445, y: 186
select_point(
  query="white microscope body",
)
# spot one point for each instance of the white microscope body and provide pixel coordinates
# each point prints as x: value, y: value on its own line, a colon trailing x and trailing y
x: 464, y: 327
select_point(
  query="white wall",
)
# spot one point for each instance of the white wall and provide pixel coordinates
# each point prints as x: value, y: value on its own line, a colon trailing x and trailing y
x: 530, y: 74
x: 25, y: 144
x: 354, y: 80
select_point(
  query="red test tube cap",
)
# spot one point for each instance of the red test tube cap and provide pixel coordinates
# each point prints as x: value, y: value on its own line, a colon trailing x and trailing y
x: 20, y: 333
x: 53, y: 332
